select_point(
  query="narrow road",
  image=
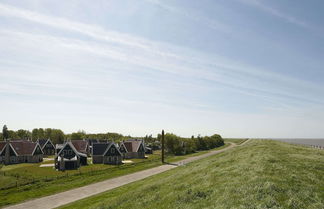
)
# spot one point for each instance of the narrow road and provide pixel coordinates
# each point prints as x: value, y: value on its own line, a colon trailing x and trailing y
x: 69, y: 196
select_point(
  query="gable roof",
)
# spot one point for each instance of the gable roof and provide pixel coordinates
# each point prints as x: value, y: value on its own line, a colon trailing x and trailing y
x: 99, y: 148
x: 132, y: 145
x: 102, y: 148
x: 122, y: 145
x: 2, y: 146
x: 23, y: 147
x: 43, y: 142
x: 80, y: 145
x: 37, y: 145
x: 73, y: 148
x: 112, y: 144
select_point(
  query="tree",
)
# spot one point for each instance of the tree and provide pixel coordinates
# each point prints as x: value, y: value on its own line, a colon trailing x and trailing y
x: 78, y: 135
x: 57, y: 136
x: 5, y: 132
x: 41, y: 133
x: 47, y: 133
x: 35, y: 134
x: 23, y: 134
x: 12, y: 134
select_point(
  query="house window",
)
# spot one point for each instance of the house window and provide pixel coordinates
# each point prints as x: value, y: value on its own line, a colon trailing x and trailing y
x: 112, y: 150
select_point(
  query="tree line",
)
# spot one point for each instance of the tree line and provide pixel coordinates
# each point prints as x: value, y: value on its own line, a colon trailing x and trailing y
x: 174, y: 144
x: 180, y: 146
x: 57, y: 136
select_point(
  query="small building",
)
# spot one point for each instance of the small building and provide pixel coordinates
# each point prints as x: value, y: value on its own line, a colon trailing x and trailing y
x: 20, y: 151
x: 148, y: 150
x: 68, y: 157
x: 132, y: 148
x: 106, y: 153
x: 47, y: 146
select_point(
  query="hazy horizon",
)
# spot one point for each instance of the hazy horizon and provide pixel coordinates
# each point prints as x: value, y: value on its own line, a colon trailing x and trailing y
x: 241, y: 68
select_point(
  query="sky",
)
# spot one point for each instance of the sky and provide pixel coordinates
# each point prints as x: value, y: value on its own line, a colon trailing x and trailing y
x: 240, y: 68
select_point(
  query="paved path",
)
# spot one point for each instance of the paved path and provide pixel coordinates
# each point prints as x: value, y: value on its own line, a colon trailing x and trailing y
x: 69, y: 196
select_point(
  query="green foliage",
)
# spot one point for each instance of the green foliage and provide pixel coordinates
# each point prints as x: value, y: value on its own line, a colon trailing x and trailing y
x: 181, y: 146
x: 78, y: 135
x: 57, y: 136
x: 24, y: 134
x: 12, y: 134
x: 5, y: 133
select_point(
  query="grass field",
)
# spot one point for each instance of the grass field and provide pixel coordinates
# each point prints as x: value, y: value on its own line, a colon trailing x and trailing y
x: 260, y: 174
x: 235, y: 140
x: 42, y: 181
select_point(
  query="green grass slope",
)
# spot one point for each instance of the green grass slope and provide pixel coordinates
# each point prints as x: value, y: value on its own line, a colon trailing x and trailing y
x: 260, y: 174
x: 47, y: 181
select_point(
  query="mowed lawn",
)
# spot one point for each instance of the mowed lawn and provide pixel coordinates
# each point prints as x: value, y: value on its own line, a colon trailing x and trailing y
x: 260, y: 174
x: 42, y: 181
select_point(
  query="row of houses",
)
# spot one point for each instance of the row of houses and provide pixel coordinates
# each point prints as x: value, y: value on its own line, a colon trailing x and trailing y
x: 73, y: 154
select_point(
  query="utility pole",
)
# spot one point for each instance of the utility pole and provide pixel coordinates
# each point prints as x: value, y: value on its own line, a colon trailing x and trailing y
x: 162, y: 146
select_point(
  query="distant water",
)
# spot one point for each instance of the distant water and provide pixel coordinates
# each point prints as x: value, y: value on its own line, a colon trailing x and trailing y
x: 315, y: 142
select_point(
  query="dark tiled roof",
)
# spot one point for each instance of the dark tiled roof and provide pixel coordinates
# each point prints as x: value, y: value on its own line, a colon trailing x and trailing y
x: 2, y: 145
x: 42, y: 142
x: 92, y: 141
x: 80, y: 145
x: 23, y: 147
x: 100, y: 148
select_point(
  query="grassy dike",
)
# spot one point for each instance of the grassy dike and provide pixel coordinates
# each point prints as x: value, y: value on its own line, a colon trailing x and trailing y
x: 71, y: 179
x: 260, y: 174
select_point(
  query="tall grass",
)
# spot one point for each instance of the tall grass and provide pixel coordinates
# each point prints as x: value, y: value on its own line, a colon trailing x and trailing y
x: 260, y: 174
x: 25, y: 181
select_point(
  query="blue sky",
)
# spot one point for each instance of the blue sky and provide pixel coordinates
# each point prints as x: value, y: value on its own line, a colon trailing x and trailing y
x: 241, y: 68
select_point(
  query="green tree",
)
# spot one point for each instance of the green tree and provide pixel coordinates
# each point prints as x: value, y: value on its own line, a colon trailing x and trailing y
x: 78, y: 135
x: 12, y: 134
x: 57, y: 136
x: 23, y: 134
x: 35, y: 134
x: 41, y: 133
x: 5, y: 133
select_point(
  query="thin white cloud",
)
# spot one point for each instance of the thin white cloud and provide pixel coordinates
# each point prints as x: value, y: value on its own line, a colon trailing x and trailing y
x: 160, y: 57
x: 229, y: 78
x: 192, y: 15
x: 275, y: 12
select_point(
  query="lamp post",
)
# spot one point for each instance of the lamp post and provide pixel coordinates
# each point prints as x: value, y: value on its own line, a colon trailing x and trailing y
x: 162, y: 146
